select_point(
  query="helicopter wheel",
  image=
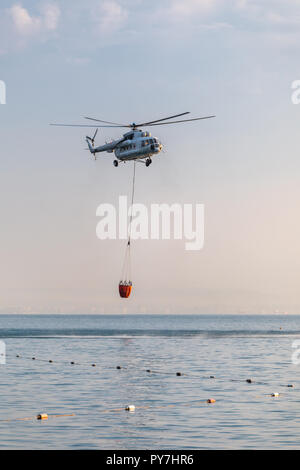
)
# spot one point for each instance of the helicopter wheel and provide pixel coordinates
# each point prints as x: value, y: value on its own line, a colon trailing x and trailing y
x: 148, y: 161
x: 116, y: 163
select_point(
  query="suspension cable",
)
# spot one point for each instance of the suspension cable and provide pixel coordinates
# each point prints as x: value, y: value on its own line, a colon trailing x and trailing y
x: 132, y: 199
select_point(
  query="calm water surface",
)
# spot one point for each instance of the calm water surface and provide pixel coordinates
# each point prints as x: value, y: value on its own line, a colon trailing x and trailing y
x: 171, y: 412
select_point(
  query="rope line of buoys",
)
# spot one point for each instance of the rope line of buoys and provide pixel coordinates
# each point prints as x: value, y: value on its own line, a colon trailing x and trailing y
x: 40, y: 416
x: 51, y: 361
x: 153, y: 371
x: 129, y: 408
x: 125, y: 284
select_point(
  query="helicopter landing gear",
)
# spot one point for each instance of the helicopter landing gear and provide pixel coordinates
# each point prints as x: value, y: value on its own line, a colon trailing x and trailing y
x: 148, y: 161
x: 116, y: 163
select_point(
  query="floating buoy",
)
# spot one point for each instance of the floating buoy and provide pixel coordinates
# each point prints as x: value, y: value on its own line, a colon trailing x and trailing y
x: 249, y: 381
x: 211, y: 400
x: 93, y: 365
x: 50, y: 360
x: 119, y: 367
x: 72, y: 362
x: 178, y: 374
x: 130, y: 408
x: 148, y: 370
x: 42, y: 416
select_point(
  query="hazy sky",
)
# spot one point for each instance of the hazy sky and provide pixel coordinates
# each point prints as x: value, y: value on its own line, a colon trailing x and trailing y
x: 131, y: 60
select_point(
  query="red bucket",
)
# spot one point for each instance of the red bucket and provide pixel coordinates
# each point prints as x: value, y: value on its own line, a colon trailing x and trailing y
x: 125, y: 289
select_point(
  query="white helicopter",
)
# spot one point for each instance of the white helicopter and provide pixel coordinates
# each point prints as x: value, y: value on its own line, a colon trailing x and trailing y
x: 134, y: 145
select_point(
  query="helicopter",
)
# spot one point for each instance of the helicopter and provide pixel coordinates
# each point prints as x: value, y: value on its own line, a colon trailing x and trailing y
x: 135, y: 144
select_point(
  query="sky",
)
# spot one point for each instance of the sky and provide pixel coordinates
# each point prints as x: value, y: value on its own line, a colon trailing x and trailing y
x: 139, y: 60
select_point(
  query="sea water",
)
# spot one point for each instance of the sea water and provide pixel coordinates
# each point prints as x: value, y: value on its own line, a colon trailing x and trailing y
x: 215, y: 356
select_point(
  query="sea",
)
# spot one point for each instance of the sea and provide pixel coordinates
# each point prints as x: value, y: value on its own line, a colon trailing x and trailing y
x: 84, y: 371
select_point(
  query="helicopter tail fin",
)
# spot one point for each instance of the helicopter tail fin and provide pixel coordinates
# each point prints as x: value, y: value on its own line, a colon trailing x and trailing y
x: 91, y: 148
x: 91, y: 141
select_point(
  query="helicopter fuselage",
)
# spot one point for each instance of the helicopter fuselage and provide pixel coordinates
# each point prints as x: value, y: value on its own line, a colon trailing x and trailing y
x: 135, y: 145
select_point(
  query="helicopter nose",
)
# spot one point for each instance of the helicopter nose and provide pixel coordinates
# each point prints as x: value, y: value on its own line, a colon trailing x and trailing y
x: 158, y: 146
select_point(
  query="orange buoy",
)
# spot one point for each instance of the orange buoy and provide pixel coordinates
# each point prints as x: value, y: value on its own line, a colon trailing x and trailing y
x: 42, y: 416
x: 125, y: 288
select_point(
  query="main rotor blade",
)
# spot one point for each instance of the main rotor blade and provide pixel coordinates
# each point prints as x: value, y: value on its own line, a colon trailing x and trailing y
x: 159, y: 120
x: 183, y: 120
x: 83, y: 125
x: 106, y: 122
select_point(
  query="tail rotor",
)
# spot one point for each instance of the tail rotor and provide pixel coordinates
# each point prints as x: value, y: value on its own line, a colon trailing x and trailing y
x: 91, y: 143
x: 92, y: 139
